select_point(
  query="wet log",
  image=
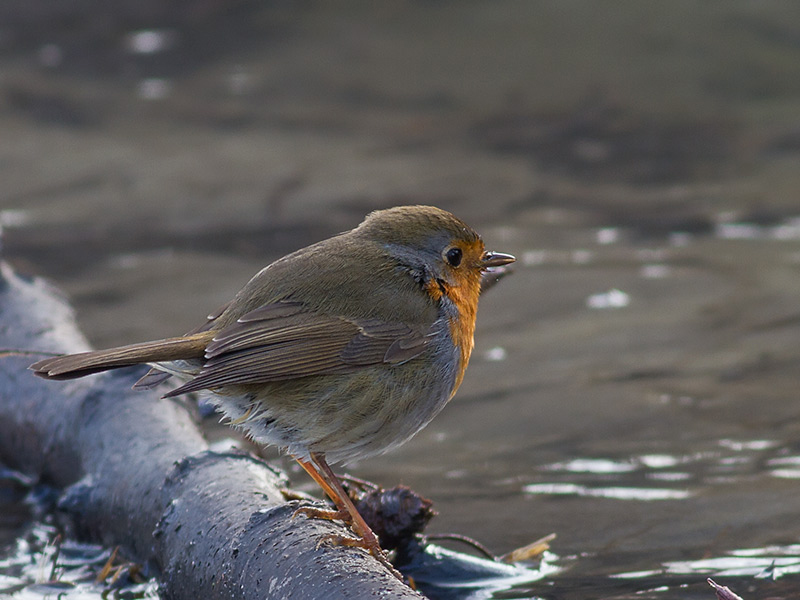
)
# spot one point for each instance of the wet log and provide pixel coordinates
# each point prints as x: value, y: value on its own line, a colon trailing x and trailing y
x: 134, y: 471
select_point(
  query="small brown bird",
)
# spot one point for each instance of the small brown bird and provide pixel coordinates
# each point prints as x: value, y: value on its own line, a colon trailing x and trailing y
x: 340, y: 350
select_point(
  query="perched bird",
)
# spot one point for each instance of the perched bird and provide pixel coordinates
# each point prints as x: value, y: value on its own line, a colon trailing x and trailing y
x: 338, y: 351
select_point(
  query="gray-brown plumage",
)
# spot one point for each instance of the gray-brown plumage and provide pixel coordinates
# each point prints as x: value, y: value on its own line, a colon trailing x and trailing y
x: 354, y: 329
x: 342, y: 349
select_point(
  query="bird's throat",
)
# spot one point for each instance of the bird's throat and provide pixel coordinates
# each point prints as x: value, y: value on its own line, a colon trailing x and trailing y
x: 461, y: 322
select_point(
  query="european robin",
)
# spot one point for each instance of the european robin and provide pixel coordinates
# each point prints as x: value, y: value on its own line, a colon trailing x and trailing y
x: 338, y: 351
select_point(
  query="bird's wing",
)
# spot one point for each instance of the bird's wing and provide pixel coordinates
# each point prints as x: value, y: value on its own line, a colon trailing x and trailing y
x: 156, y: 376
x: 285, y: 340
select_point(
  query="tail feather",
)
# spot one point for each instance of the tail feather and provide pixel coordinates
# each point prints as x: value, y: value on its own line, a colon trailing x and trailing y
x: 72, y: 366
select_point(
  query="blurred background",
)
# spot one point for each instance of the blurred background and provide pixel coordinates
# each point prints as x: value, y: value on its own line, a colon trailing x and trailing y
x: 634, y: 383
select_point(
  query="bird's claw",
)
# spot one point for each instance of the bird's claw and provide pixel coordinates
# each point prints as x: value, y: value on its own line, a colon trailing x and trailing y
x: 375, y: 550
x: 336, y: 539
x: 326, y: 514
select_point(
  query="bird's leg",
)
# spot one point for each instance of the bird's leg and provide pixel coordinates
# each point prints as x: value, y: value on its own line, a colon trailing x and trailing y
x: 321, y: 513
x: 320, y: 471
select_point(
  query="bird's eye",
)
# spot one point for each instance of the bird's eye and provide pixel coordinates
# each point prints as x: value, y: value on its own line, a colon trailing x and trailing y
x: 454, y: 256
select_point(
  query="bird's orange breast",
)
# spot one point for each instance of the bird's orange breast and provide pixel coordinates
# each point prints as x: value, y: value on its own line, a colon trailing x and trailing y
x: 462, y: 325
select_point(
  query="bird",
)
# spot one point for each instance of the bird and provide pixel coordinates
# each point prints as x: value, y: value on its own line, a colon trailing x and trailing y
x: 338, y: 351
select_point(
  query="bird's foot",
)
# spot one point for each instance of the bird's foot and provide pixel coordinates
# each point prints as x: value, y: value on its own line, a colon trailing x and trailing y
x: 326, y: 514
x: 367, y: 540
x: 370, y: 545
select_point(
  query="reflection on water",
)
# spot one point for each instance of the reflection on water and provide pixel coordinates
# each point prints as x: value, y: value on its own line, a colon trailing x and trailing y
x: 40, y: 566
x: 786, y: 467
x: 610, y: 299
x: 150, y: 41
x: 788, y: 230
x: 772, y: 562
x: 618, y: 493
x: 627, y: 478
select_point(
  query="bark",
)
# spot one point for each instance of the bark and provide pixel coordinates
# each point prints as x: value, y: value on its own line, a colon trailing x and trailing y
x: 136, y: 472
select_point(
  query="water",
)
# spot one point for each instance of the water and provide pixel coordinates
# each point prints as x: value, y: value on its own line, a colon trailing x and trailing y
x: 633, y: 387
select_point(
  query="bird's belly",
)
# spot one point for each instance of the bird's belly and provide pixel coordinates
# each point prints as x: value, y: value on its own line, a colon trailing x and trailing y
x: 346, y: 416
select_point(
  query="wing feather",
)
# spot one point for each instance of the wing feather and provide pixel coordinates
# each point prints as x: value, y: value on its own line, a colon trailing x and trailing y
x: 284, y: 340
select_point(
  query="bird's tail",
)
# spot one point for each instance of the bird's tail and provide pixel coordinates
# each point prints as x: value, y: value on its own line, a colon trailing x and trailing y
x: 72, y: 366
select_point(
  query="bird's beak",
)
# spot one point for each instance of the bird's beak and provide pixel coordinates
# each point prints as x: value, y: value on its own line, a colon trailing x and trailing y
x: 493, y: 268
x: 495, y: 259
